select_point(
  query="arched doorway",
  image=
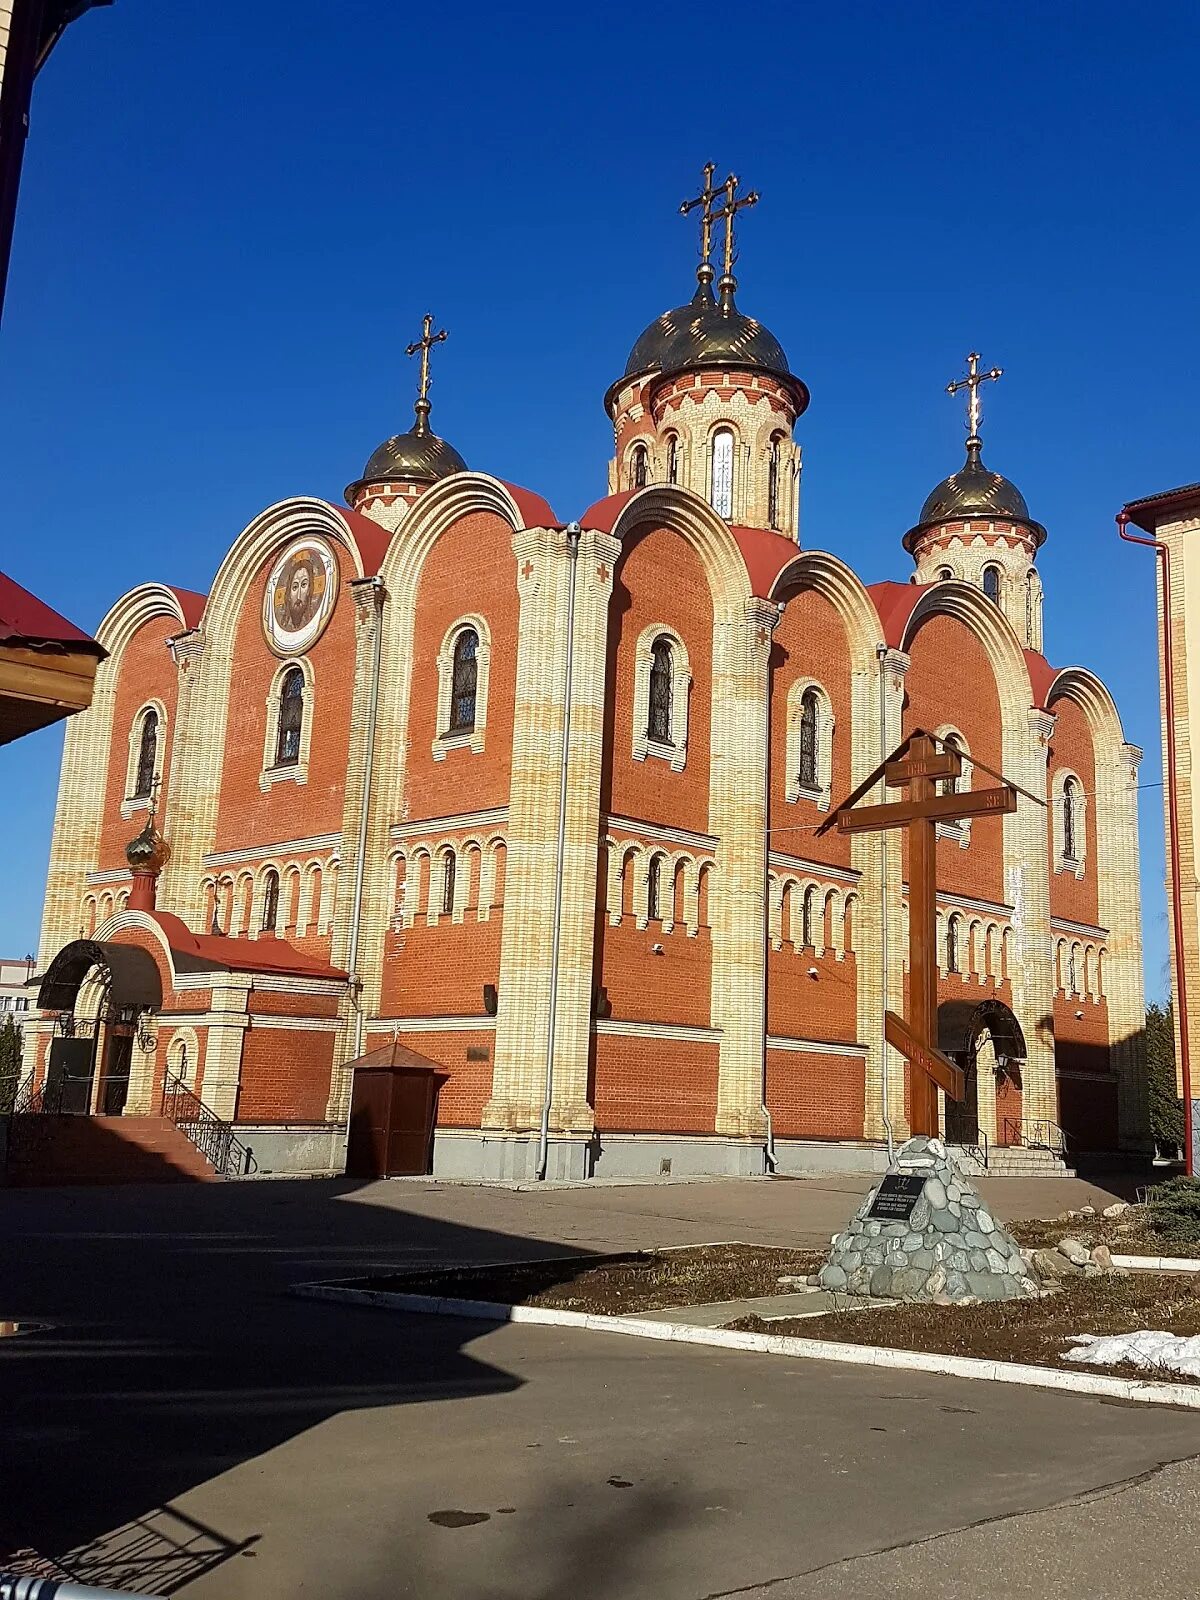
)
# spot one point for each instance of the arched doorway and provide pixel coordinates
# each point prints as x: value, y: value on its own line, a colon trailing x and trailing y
x: 986, y: 1041
x: 98, y: 993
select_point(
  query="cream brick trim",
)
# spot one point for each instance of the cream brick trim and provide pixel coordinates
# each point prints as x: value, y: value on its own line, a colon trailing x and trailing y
x: 655, y: 1030
x: 258, y: 1019
x: 132, y: 802
x: 287, y: 847
x: 431, y: 826
x: 674, y: 750
x: 653, y: 830
x: 483, y: 1024
x: 182, y: 1054
x: 959, y: 831
x: 817, y: 1047
x: 445, y: 739
x: 297, y: 771
x: 816, y: 869
x: 116, y: 875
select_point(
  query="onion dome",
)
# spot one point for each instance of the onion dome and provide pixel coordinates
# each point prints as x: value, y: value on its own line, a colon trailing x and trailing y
x: 149, y: 852
x: 417, y: 456
x: 705, y: 333
x: 974, y: 492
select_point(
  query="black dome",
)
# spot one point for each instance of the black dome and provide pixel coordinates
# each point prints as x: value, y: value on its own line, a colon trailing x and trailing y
x: 974, y: 491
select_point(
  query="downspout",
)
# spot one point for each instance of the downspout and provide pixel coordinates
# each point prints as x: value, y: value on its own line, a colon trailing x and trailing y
x: 766, y: 1110
x: 1185, y: 1064
x: 364, y: 819
x: 572, y: 532
x: 886, y: 1106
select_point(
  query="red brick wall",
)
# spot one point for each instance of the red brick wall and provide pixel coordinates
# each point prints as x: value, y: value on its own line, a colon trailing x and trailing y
x: 1071, y: 748
x: 285, y: 1075
x: 642, y: 987
x: 146, y: 672
x: 951, y: 681
x: 654, y: 1085
x: 816, y: 1096
x: 440, y: 971
x: 469, y: 1086
x: 801, y: 1007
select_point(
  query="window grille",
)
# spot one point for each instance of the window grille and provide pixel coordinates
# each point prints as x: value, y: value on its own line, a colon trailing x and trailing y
x: 639, y: 466
x: 653, y: 890
x: 952, y: 945
x: 773, y: 485
x: 808, y: 740
x: 807, y: 918
x: 465, y: 681
x: 291, y: 718
x: 270, y: 912
x: 1070, y: 805
x: 147, y: 754
x: 672, y: 459
x: 722, y: 473
x: 659, y: 722
x: 448, y: 884
x: 991, y: 584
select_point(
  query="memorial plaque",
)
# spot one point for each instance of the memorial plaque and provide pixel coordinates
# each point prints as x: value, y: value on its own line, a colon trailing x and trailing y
x: 898, y: 1195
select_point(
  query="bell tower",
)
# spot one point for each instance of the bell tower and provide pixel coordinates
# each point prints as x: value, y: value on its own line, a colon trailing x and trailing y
x: 976, y: 527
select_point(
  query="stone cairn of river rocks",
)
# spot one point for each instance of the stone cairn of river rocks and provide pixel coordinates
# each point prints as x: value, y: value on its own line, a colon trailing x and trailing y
x: 950, y: 1248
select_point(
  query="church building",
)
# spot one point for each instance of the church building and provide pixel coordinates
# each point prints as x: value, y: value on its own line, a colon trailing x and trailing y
x: 437, y: 781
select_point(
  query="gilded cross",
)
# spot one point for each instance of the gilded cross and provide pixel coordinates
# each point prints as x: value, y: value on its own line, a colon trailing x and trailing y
x: 425, y: 344
x: 705, y: 199
x: 152, y: 805
x: 972, y: 383
x: 728, y: 212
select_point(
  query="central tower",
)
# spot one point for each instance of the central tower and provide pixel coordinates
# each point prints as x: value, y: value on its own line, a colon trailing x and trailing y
x: 707, y: 400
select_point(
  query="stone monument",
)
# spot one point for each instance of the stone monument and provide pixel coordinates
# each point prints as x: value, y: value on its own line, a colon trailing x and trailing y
x: 924, y: 1234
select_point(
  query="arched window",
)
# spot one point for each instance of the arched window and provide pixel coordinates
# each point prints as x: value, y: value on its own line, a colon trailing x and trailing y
x: 658, y: 726
x: 638, y: 474
x: 1072, y: 970
x: 952, y: 954
x: 1029, y: 630
x: 953, y: 742
x: 1070, y: 805
x: 672, y: 458
x: 991, y: 584
x: 808, y: 740
x: 270, y: 909
x: 465, y: 681
x: 721, y: 494
x: 773, y: 484
x: 808, y: 916
x: 654, y: 890
x: 448, y: 883
x: 291, y: 718
x: 944, y: 573
x: 147, y: 755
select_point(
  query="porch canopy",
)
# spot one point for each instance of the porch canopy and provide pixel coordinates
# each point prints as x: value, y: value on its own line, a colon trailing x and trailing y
x: 960, y: 1023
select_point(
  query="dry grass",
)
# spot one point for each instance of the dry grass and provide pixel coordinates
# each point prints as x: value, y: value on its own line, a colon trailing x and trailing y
x: 1127, y: 1235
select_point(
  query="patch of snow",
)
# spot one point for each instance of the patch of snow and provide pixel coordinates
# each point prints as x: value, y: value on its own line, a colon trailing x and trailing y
x: 1164, y: 1352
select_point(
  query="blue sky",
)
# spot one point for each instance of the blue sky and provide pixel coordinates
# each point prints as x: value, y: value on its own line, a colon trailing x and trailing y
x: 233, y: 217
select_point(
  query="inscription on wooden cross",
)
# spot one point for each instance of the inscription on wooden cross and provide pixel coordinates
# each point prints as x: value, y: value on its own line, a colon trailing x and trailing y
x: 916, y: 766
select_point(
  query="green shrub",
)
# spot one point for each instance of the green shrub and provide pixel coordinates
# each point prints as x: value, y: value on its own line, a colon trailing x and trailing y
x: 1166, y: 1108
x: 1174, y: 1209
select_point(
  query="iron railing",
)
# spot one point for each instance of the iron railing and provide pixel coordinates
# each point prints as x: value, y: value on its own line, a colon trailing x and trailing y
x: 1035, y: 1134
x: 979, y: 1149
x: 200, y: 1124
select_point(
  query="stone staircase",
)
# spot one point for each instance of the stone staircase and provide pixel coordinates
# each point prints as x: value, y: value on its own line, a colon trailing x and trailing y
x: 45, y: 1150
x: 1013, y: 1161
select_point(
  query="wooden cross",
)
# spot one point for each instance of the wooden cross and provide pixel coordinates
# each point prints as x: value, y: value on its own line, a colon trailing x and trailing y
x: 917, y: 764
x: 425, y: 344
x: 705, y: 199
x: 972, y: 383
x: 728, y: 212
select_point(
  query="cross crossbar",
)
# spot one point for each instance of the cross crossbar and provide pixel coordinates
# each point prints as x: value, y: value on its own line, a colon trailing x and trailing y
x: 938, y: 808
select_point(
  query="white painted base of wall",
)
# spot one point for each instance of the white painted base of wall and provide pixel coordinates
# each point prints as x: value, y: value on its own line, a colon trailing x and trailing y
x: 279, y: 1148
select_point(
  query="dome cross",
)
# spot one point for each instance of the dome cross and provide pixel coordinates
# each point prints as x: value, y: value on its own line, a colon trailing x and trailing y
x: 705, y: 199
x: 727, y: 213
x: 972, y: 383
x: 425, y: 344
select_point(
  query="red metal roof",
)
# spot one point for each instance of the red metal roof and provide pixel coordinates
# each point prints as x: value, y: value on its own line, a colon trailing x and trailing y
x: 371, y: 540
x: 242, y: 955
x: 24, y: 619
x: 535, y: 512
x: 190, y: 603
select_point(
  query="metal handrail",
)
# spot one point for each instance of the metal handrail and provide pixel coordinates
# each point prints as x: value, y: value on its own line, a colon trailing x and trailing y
x: 979, y: 1149
x: 209, y: 1133
x: 1037, y: 1133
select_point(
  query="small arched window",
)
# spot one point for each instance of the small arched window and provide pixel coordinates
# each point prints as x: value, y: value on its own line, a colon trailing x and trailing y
x: 952, y: 955
x: 1072, y: 970
x: 672, y: 458
x: 1070, y: 805
x: 991, y: 584
x: 721, y: 494
x: 270, y: 910
x: 291, y: 718
x: 654, y: 890
x: 944, y: 573
x: 465, y: 682
x: 658, y: 726
x: 773, y: 484
x: 147, y: 756
x: 448, y: 883
x: 638, y: 474
x: 1029, y: 608
x: 808, y: 740
x: 808, y: 916
x: 952, y: 743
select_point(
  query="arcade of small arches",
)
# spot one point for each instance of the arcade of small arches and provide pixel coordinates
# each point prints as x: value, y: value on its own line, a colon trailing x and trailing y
x: 451, y: 879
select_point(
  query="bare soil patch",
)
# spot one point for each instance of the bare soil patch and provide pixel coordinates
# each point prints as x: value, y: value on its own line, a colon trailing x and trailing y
x: 1033, y: 1331
x: 615, y: 1285
x: 1127, y: 1235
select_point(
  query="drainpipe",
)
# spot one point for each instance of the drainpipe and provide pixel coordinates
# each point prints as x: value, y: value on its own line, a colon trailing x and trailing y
x: 364, y: 819
x: 766, y: 1110
x: 880, y: 656
x: 572, y: 532
x: 1185, y: 1064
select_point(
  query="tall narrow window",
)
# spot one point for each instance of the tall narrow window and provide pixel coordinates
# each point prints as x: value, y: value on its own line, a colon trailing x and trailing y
x: 991, y: 584
x: 448, y: 884
x: 672, y: 458
x: 654, y: 890
x: 722, y: 473
x: 773, y: 485
x: 291, y: 718
x: 808, y: 916
x: 466, y: 679
x: 147, y: 755
x: 638, y: 474
x: 1029, y: 581
x: 1072, y: 972
x: 952, y: 945
x: 808, y: 740
x: 270, y: 910
x: 1070, y: 805
x: 658, y: 726
x: 953, y: 743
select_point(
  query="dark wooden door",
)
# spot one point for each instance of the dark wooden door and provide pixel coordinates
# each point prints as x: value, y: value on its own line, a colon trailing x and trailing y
x: 392, y: 1113
x: 114, y: 1086
x: 962, y: 1116
x: 69, y: 1076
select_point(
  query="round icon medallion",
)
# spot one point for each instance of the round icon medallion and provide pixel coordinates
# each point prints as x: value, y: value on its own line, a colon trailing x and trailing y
x: 300, y: 596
